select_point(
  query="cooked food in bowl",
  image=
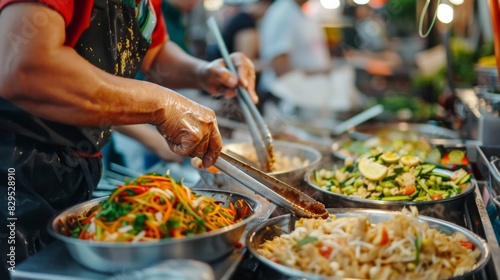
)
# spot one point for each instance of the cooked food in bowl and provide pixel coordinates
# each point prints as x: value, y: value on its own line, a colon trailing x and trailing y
x: 368, y: 245
x: 282, y: 161
x: 390, y: 177
x: 150, y: 208
x: 403, y: 146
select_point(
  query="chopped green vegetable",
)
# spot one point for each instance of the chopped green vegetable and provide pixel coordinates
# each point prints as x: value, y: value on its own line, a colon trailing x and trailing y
x: 113, y: 210
x: 418, y: 248
x: 305, y: 240
x: 139, y: 222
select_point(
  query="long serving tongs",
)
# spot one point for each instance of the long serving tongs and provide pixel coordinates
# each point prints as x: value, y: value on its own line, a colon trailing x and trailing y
x: 259, y: 131
x: 271, y: 188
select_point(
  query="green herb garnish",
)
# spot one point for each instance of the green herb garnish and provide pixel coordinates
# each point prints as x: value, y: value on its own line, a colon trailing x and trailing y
x: 304, y: 241
x: 418, y: 248
x: 139, y: 222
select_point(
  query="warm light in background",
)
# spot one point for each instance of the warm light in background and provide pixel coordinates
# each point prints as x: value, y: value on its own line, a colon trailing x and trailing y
x: 330, y: 4
x: 445, y: 13
x: 361, y: 2
x: 213, y: 5
x: 456, y: 2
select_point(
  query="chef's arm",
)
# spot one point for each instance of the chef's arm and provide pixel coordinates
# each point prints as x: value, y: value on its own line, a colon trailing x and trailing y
x: 41, y: 75
x: 168, y: 65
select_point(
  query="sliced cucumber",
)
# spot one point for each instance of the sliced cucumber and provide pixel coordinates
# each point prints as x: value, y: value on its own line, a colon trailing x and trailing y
x: 424, y: 187
x: 439, y: 174
x: 426, y: 168
x: 465, y: 179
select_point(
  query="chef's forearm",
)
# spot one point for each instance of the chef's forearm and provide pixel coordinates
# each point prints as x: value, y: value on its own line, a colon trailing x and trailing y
x: 52, y: 81
x: 174, y: 68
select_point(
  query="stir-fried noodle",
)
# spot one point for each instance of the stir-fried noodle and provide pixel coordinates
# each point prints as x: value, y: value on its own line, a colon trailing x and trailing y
x: 401, y: 248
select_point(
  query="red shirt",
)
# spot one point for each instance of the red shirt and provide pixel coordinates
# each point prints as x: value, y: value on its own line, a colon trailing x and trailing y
x: 76, y: 14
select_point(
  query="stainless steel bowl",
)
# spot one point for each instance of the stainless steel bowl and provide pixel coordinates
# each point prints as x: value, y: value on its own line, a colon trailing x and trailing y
x: 341, y: 148
x: 117, y: 257
x: 427, y: 130
x: 449, y: 209
x: 290, y: 150
x: 280, y: 225
x: 292, y: 176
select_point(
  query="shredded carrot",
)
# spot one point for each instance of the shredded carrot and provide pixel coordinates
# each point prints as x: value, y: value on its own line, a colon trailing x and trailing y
x: 159, y: 207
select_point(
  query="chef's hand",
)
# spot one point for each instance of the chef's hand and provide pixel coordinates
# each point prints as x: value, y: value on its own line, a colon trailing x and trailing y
x: 217, y: 80
x: 190, y: 129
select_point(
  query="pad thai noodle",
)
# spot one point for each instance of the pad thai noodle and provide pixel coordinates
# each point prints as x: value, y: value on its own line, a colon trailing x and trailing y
x: 401, y: 248
x: 149, y: 208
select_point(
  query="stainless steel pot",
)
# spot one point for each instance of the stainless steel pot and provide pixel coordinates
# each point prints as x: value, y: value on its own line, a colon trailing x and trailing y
x: 280, y: 225
x: 427, y: 130
x: 115, y: 257
x: 449, y: 209
x: 292, y: 176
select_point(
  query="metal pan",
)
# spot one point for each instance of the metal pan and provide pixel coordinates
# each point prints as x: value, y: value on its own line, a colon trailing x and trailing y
x: 425, y: 130
x: 449, y: 209
x: 350, y: 148
x: 280, y: 225
x: 112, y: 257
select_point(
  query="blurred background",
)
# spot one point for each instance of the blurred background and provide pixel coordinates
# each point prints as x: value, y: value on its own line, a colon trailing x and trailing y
x: 409, y: 56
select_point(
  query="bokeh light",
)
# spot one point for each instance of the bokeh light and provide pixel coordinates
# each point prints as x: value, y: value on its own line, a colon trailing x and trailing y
x: 445, y: 13
x: 456, y: 2
x: 361, y: 2
x: 330, y: 4
x: 213, y: 5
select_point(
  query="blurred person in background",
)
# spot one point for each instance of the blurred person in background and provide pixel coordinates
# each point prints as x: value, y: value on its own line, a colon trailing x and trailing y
x: 240, y: 33
x: 289, y: 40
x: 175, y: 13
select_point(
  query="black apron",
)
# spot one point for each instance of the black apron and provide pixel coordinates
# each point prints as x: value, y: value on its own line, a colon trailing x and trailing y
x: 57, y: 165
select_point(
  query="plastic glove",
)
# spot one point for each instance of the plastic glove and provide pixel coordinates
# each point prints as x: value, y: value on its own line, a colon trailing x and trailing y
x: 190, y: 129
x: 217, y: 80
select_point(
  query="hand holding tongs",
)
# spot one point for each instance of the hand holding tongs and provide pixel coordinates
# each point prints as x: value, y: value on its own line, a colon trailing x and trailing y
x: 271, y: 188
x: 258, y: 129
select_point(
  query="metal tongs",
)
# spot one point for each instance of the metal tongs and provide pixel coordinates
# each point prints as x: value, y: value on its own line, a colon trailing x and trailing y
x: 259, y: 131
x: 271, y: 188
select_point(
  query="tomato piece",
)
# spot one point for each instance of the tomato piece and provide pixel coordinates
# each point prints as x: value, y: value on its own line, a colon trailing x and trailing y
x: 467, y: 245
x: 385, y: 237
x: 436, y: 196
x: 325, y: 251
x: 409, y: 190
x: 239, y: 245
x: 382, y: 237
x: 139, y: 190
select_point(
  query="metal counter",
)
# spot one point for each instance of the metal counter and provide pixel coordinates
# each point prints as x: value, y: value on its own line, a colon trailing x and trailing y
x: 54, y: 262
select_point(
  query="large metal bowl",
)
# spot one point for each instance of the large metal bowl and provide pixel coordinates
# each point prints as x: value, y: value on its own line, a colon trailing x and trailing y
x: 404, y: 128
x: 292, y: 176
x: 113, y: 257
x: 345, y: 147
x: 449, y: 209
x: 280, y: 225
